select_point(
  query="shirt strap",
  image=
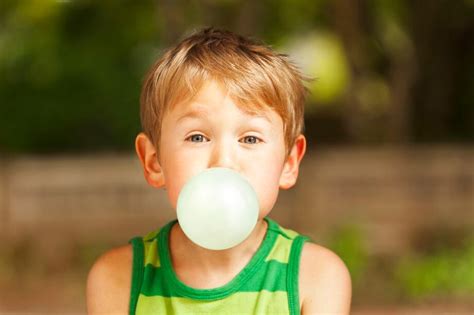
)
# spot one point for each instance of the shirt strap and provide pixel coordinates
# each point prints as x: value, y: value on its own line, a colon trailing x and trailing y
x: 137, y: 272
x: 293, y: 274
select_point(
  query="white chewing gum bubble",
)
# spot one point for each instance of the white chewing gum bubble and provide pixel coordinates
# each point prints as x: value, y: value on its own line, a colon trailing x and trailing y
x: 217, y: 209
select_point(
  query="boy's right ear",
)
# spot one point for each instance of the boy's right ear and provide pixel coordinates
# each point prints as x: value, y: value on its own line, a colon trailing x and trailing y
x: 148, y: 156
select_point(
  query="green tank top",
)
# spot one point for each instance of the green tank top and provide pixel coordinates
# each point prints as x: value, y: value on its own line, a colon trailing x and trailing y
x: 268, y: 284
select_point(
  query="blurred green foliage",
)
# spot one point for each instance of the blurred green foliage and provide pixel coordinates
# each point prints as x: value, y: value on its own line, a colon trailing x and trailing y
x: 447, y: 272
x: 71, y: 73
x: 71, y: 70
x: 348, y: 241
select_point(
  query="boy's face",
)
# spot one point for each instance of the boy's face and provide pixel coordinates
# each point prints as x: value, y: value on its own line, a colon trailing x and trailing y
x: 212, y: 131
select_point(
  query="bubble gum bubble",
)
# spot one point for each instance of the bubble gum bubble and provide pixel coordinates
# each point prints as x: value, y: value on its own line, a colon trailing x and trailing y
x: 217, y: 209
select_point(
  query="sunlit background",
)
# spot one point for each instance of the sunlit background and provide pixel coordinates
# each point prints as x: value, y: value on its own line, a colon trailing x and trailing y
x: 387, y: 182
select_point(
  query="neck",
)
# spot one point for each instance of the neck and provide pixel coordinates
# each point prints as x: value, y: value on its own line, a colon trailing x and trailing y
x: 185, y: 253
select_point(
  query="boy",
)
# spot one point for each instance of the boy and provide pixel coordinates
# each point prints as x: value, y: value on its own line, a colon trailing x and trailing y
x: 220, y: 100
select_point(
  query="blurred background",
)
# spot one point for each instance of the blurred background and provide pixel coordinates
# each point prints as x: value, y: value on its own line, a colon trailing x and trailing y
x: 387, y: 181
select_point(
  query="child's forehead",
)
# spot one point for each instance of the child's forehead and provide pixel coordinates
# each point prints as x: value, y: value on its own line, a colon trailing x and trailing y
x: 212, y: 92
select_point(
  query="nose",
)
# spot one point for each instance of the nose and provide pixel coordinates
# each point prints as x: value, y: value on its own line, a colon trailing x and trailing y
x: 223, y: 155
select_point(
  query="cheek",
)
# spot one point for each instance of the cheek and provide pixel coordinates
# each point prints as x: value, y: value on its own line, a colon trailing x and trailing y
x: 173, y: 184
x: 267, y: 188
x: 178, y: 169
x: 175, y: 177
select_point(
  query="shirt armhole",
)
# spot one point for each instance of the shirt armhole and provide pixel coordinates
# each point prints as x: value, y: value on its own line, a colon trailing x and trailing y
x: 293, y: 274
x: 137, y: 272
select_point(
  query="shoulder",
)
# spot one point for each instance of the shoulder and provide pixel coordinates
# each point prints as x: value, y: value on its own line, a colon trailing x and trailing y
x: 109, y: 281
x: 324, y: 282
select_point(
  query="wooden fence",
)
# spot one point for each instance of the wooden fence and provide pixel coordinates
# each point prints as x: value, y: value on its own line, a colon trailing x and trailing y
x: 390, y: 193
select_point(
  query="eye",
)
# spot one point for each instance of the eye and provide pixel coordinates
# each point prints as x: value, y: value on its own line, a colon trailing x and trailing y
x: 196, y: 138
x: 251, y: 140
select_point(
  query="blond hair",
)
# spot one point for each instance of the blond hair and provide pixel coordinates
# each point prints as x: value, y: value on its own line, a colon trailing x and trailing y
x: 255, y: 76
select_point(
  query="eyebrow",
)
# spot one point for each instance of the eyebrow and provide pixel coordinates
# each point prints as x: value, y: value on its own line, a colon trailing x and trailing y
x: 203, y: 113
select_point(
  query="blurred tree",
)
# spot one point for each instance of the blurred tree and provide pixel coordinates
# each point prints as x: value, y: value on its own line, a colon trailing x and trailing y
x: 443, y: 94
x: 70, y: 73
x: 70, y: 70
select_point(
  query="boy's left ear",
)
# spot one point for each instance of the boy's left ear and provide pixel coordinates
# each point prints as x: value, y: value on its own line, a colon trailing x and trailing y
x: 290, y: 168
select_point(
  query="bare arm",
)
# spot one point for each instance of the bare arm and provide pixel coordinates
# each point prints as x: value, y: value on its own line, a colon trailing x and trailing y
x: 108, y: 283
x: 325, y: 282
